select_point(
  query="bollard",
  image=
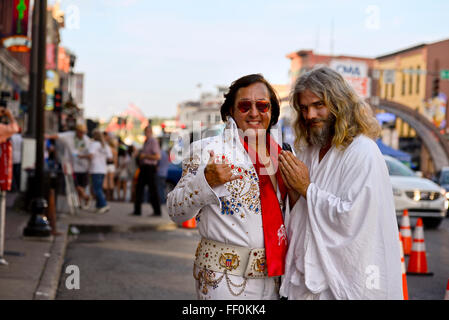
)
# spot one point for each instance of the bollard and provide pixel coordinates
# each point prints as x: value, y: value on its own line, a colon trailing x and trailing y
x: 51, y: 212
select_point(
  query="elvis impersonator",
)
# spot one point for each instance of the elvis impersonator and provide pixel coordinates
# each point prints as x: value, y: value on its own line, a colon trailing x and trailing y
x: 231, y: 184
x: 342, y: 226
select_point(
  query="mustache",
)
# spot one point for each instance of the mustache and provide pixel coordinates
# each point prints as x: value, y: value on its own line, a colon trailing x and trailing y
x: 311, y: 121
x: 330, y: 120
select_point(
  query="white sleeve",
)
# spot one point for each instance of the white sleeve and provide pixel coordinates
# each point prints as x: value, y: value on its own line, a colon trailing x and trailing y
x: 63, y: 139
x: 108, y: 152
x: 352, y: 231
x: 92, y: 148
x: 192, y: 192
x: 88, y: 142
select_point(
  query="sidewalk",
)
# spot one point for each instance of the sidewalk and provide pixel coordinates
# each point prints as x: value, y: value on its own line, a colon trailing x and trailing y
x: 34, y: 265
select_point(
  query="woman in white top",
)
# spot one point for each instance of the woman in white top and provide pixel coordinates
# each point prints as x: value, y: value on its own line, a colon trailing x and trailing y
x: 99, y: 151
x: 122, y: 172
x: 111, y: 166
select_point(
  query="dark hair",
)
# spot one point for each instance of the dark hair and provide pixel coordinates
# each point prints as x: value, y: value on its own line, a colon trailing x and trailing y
x: 130, y: 149
x: 122, y: 150
x: 244, y: 82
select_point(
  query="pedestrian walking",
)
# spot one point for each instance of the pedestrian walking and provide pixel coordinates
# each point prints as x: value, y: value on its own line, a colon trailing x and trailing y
x: 133, y: 171
x: 50, y: 155
x: 162, y: 170
x: 109, y: 180
x: 6, y: 131
x: 122, y: 172
x: 76, y: 144
x: 98, y: 153
x: 16, y: 140
x: 148, y: 158
x: 10, y: 128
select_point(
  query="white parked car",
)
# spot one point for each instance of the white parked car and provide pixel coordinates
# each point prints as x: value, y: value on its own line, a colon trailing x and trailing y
x: 442, y: 178
x: 422, y: 197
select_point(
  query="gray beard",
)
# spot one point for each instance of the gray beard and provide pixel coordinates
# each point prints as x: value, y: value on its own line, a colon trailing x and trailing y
x: 321, y: 137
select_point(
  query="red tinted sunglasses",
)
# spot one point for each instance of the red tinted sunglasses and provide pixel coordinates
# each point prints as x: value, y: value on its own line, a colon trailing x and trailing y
x: 261, y: 105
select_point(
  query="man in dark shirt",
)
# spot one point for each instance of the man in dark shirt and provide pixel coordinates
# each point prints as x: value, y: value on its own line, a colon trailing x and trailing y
x: 148, y: 159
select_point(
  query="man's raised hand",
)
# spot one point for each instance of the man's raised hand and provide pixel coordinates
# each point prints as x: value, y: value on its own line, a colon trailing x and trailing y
x: 218, y: 173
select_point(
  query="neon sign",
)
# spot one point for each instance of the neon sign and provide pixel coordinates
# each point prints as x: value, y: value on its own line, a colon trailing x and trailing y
x: 18, y: 41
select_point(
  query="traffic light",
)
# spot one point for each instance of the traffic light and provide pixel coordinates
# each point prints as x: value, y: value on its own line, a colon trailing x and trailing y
x: 435, y: 87
x: 58, y: 100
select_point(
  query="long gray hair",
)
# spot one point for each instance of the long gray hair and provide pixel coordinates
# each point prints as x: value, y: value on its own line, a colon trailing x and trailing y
x: 353, y: 115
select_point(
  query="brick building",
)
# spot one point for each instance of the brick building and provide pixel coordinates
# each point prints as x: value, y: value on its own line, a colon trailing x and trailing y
x: 412, y: 77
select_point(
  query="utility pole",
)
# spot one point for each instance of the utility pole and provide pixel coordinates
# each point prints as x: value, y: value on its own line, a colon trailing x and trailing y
x: 38, y: 225
x: 34, y: 65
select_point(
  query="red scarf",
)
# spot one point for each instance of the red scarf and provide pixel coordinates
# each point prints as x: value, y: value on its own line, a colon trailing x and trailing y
x: 273, y: 223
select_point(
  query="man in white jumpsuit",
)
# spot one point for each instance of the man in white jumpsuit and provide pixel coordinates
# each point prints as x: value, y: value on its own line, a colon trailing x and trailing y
x: 342, y: 229
x: 237, y: 207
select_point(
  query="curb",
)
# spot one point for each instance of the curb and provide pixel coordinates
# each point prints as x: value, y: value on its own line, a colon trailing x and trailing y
x: 49, y: 281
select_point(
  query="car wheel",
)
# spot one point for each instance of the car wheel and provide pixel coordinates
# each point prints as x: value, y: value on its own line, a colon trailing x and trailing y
x: 431, y: 223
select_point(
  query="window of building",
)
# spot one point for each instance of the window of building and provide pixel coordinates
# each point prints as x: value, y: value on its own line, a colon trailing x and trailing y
x: 410, y: 82
x: 379, y: 87
x: 403, y: 84
x: 2, y: 9
x: 418, y: 78
x: 392, y: 90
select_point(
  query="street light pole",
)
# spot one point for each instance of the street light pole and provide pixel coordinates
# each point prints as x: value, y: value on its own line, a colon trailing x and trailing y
x: 38, y: 225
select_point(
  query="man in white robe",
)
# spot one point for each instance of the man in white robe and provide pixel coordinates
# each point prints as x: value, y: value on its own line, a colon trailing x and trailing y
x: 342, y: 229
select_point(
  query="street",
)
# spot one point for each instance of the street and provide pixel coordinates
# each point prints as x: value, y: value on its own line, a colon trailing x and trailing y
x: 437, y: 249
x: 143, y: 265
x: 157, y: 265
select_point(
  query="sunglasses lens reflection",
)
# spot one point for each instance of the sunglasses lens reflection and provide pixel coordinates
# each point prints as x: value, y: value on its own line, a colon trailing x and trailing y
x: 261, y: 106
x: 244, y: 106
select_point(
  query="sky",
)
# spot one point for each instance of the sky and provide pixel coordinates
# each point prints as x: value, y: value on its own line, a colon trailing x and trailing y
x: 156, y: 54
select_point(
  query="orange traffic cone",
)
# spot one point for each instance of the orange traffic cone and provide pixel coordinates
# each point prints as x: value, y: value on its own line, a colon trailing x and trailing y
x: 406, y: 233
x: 404, y: 277
x: 417, y: 264
x: 446, y: 296
x: 189, y: 224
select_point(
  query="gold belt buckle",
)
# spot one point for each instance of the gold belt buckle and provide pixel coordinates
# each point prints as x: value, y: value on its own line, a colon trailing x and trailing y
x: 257, y: 265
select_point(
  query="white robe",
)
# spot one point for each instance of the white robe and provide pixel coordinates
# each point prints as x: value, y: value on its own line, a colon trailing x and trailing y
x: 344, y: 239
